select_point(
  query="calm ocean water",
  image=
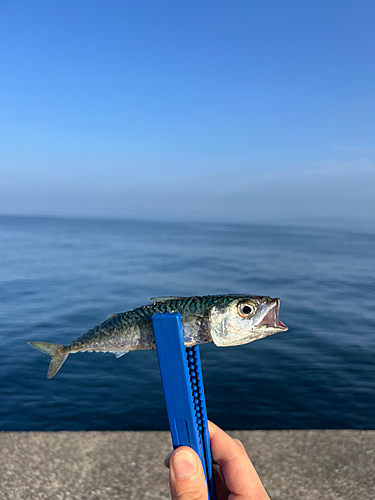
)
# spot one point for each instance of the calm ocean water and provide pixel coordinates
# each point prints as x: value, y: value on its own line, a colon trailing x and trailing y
x: 60, y: 277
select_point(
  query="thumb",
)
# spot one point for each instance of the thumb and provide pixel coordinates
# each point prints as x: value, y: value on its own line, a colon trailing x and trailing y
x: 186, y: 476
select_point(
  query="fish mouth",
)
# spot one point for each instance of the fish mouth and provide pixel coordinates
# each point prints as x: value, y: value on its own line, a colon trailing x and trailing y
x: 267, y: 318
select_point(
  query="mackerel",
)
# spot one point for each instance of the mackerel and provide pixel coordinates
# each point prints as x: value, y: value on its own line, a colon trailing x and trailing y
x: 226, y: 320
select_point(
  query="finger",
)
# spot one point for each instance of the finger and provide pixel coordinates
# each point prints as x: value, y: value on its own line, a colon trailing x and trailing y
x: 221, y: 488
x: 186, y: 476
x: 238, y: 472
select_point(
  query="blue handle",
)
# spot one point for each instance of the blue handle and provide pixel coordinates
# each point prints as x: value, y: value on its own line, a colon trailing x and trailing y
x: 181, y: 375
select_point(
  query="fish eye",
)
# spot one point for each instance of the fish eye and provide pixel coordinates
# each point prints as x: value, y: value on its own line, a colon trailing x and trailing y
x: 246, y: 309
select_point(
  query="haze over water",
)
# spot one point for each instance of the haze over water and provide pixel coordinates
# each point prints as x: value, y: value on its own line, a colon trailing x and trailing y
x: 60, y: 277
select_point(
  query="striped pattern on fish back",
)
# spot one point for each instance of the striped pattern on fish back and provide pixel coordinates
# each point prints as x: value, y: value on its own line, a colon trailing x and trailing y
x: 133, y: 329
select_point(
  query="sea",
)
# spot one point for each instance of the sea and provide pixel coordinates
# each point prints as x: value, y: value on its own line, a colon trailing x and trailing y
x: 60, y: 277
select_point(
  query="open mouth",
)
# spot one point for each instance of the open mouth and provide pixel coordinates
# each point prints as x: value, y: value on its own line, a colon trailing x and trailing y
x: 268, y: 317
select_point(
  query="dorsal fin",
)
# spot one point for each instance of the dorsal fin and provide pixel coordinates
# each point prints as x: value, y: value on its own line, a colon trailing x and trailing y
x: 111, y: 315
x: 162, y: 299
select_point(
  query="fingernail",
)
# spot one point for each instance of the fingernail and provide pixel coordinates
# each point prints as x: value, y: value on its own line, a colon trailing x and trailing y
x: 166, y: 460
x: 184, y: 464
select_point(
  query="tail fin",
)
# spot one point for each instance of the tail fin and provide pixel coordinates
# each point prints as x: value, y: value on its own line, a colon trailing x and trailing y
x: 57, y: 353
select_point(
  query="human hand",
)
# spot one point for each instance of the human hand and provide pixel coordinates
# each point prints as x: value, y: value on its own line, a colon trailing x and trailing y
x: 235, y: 476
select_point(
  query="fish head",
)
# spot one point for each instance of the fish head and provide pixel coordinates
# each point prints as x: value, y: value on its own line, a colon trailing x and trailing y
x: 243, y: 319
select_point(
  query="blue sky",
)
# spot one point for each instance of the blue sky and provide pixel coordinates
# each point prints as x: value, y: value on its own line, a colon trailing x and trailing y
x: 239, y: 111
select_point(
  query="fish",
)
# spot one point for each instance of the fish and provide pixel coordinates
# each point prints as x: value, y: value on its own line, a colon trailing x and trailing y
x: 225, y: 320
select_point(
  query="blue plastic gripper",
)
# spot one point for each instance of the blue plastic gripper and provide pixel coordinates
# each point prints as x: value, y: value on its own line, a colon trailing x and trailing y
x: 181, y: 375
